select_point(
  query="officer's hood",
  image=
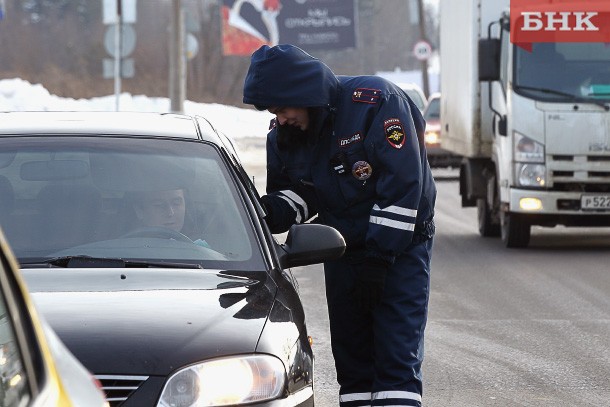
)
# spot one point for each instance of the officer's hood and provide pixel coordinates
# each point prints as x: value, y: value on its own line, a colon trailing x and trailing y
x: 287, y: 76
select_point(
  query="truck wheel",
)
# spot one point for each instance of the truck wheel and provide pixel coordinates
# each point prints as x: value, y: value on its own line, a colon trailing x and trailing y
x: 486, y: 226
x: 515, y: 230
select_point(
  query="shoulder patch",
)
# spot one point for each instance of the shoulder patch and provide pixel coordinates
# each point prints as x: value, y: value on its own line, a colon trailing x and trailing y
x: 366, y: 95
x: 394, y: 133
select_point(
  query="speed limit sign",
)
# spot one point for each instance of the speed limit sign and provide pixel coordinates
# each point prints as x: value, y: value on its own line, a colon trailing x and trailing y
x: 422, y: 50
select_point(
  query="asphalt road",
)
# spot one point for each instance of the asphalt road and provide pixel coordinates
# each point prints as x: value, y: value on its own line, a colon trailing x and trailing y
x: 507, y: 327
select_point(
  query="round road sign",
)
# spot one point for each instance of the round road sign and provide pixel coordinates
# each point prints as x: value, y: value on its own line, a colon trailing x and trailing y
x: 192, y: 46
x: 128, y: 40
x: 422, y: 50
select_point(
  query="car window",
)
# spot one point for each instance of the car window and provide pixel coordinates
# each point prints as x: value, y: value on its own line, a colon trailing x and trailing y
x: 416, y: 98
x: 14, y: 387
x: 433, y: 110
x: 124, y: 198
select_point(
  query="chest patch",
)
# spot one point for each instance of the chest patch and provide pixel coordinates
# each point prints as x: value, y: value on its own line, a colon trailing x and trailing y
x: 344, y: 142
x: 362, y: 170
x: 366, y: 95
x: 394, y: 133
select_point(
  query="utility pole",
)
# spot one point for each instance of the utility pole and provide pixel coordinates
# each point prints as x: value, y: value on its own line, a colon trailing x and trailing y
x: 177, y: 59
x: 118, y: 53
x: 422, y: 35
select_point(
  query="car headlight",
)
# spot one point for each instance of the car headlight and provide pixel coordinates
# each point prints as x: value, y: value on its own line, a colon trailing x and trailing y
x: 227, y: 381
x: 528, y: 150
x: 432, y: 137
x: 531, y: 175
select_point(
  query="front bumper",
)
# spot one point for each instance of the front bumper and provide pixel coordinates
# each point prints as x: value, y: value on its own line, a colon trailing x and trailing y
x: 558, y: 208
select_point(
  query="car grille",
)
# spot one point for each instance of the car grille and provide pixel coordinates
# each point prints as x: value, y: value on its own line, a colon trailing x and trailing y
x: 119, y: 388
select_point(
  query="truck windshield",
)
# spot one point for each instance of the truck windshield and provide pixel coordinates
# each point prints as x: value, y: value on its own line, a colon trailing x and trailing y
x: 557, y: 71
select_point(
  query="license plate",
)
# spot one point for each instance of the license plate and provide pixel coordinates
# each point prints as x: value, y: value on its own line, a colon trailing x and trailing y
x: 595, y: 202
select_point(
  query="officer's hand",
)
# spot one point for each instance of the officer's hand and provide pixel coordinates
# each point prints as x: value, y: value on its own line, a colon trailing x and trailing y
x: 369, y: 282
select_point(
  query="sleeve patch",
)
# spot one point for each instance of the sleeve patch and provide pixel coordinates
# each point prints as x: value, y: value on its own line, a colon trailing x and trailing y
x: 366, y: 95
x: 394, y: 133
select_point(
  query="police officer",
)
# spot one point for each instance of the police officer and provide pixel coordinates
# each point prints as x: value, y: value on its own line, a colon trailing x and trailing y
x: 350, y: 149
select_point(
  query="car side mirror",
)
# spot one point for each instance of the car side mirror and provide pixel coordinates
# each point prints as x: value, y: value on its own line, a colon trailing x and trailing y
x: 311, y: 243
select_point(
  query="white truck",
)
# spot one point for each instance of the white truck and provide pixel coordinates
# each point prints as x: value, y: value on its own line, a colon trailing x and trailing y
x: 533, y: 126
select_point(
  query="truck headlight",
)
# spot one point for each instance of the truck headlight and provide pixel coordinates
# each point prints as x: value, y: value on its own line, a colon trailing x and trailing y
x: 528, y: 150
x: 531, y: 175
x: 227, y: 381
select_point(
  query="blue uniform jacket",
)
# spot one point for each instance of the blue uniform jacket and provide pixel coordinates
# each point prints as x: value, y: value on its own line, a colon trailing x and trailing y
x: 366, y: 173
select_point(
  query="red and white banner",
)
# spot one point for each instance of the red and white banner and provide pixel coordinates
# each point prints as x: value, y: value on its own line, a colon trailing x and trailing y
x: 559, y: 21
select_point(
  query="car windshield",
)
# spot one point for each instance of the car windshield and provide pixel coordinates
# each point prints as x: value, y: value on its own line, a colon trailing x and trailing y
x: 149, y: 202
x: 433, y: 110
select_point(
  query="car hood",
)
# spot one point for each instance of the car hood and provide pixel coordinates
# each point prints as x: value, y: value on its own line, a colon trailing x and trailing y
x: 151, y: 321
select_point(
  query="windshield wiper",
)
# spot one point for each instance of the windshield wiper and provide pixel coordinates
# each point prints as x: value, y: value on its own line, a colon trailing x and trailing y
x: 573, y: 98
x: 81, y: 261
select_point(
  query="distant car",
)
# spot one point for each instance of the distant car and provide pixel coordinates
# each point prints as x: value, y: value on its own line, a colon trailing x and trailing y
x: 36, y: 369
x: 437, y: 156
x: 415, y: 93
x: 143, y: 242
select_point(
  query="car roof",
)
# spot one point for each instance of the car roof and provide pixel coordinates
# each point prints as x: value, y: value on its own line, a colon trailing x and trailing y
x: 106, y: 123
x: 435, y: 95
x: 415, y: 92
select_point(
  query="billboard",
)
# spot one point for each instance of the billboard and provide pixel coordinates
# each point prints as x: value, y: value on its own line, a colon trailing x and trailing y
x: 308, y: 24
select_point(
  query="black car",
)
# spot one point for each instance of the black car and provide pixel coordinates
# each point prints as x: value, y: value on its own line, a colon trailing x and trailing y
x: 144, y: 245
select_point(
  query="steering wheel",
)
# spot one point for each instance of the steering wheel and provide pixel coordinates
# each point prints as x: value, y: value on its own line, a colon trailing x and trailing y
x: 160, y: 232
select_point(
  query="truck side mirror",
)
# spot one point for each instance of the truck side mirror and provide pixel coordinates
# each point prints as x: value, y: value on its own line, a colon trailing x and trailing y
x: 502, y: 131
x: 489, y: 59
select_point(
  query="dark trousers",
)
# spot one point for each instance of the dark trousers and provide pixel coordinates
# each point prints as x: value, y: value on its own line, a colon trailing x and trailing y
x: 378, y: 355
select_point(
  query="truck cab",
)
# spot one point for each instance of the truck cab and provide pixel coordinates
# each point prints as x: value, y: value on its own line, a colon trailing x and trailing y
x: 552, y: 157
x: 537, y: 139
